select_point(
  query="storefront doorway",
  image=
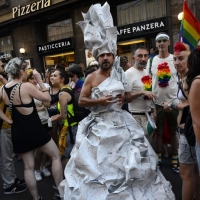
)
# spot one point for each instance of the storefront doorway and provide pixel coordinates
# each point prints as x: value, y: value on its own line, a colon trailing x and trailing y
x: 65, y: 58
x: 126, y: 48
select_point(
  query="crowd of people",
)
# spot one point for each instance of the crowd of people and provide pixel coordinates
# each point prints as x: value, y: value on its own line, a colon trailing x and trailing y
x: 107, y: 153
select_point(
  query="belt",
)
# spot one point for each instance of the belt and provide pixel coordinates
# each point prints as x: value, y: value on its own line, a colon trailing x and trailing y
x: 140, y: 113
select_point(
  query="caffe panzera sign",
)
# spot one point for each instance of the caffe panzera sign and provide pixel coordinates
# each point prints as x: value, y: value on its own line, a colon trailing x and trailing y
x: 32, y: 7
x: 141, y: 28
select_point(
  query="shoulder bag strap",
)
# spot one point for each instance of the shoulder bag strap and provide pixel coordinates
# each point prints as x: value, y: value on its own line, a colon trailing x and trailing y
x: 12, y: 96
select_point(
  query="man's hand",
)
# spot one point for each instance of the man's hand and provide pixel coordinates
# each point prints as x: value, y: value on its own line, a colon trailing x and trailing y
x: 120, y: 99
x: 166, y: 107
x: 149, y: 94
x: 105, y: 100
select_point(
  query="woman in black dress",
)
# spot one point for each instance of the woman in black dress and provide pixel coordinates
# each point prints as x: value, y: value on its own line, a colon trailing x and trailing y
x: 27, y: 130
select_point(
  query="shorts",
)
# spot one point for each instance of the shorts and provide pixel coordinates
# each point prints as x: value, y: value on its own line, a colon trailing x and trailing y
x: 142, y: 121
x: 171, y: 118
x: 186, y: 153
x: 197, y: 148
x: 69, y: 146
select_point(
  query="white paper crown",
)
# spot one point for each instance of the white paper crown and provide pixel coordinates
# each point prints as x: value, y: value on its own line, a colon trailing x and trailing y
x: 100, y: 35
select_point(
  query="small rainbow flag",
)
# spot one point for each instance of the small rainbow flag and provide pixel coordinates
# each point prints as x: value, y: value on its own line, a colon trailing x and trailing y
x: 164, y: 74
x: 147, y: 83
x: 190, y: 28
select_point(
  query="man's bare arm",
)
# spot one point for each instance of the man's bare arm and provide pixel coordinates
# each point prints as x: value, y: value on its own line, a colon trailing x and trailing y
x: 84, y: 99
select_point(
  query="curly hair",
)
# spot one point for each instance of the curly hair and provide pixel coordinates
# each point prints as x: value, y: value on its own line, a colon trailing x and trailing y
x: 29, y: 74
x: 193, y: 65
x: 14, y: 67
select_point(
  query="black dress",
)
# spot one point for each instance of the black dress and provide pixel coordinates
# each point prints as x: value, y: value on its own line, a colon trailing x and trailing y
x: 27, y: 130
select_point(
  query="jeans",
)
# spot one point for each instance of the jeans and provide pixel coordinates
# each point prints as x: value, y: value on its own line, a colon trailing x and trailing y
x: 7, y: 168
x: 69, y: 146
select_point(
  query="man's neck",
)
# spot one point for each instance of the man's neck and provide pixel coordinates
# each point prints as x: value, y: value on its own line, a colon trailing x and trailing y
x: 138, y: 68
x: 164, y: 54
x: 105, y: 73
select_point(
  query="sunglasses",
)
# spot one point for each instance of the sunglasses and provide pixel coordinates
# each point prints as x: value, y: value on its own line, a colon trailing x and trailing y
x: 159, y: 41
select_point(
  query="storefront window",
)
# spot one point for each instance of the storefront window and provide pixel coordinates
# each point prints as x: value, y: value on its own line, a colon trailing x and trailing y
x: 66, y: 59
x: 60, y: 30
x: 6, y: 44
x: 140, y: 10
x: 126, y: 48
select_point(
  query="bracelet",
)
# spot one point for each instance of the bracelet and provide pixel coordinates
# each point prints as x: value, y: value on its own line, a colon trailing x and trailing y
x: 45, y: 91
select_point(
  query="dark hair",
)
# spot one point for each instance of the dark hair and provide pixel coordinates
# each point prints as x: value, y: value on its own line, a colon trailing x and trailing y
x: 152, y: 48
x: 193, y: 65
x: 89, y: 70
x: 63, y: 74
x: 141, y: 48
x: 59, y: 66
x: 50, y: 72
x: 123, y: 62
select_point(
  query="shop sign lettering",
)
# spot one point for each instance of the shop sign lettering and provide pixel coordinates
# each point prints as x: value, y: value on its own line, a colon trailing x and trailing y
x: 142, y: 27
x: 24, y: 10
x: 55, y: 45
x: 5, y: 56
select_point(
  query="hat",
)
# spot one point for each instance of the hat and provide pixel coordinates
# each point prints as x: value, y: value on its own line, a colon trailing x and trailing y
x: 99, y: 33
x: 76, y: 69
x: 94, y: 62
x: 162, y: 36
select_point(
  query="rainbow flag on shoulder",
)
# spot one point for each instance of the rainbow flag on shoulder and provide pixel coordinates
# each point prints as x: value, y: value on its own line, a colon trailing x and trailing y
x: 190, y: 28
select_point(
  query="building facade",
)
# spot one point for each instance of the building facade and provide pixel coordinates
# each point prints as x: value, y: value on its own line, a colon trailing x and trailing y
x: 45, y: 32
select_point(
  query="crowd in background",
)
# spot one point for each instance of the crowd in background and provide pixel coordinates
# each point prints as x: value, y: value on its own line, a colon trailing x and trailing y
x: 174, y: 86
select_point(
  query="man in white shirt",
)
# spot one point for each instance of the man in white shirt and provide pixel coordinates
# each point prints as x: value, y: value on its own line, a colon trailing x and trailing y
x: 141, y: 99
x: 164, y: 85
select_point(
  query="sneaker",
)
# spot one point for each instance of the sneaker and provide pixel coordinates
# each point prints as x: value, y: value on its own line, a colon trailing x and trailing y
x: 38, y: 176
x: 45, y: 171
x: 175, y: 169
x: 159, y: 165
x: 20, y: 181
x: 15, y: 188
x: 56, y: 196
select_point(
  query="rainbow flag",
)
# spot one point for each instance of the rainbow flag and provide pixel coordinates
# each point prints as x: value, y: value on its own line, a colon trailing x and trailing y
x: 190, y: 28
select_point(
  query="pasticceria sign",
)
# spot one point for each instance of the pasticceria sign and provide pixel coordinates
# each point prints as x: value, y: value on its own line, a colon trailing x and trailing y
x: 32, y: 7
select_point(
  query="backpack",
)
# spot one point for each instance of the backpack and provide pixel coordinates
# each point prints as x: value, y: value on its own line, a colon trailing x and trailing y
x: 79, y: 112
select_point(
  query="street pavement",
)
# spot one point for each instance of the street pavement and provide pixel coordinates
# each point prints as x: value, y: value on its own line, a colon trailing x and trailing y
x: 46, y: 190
